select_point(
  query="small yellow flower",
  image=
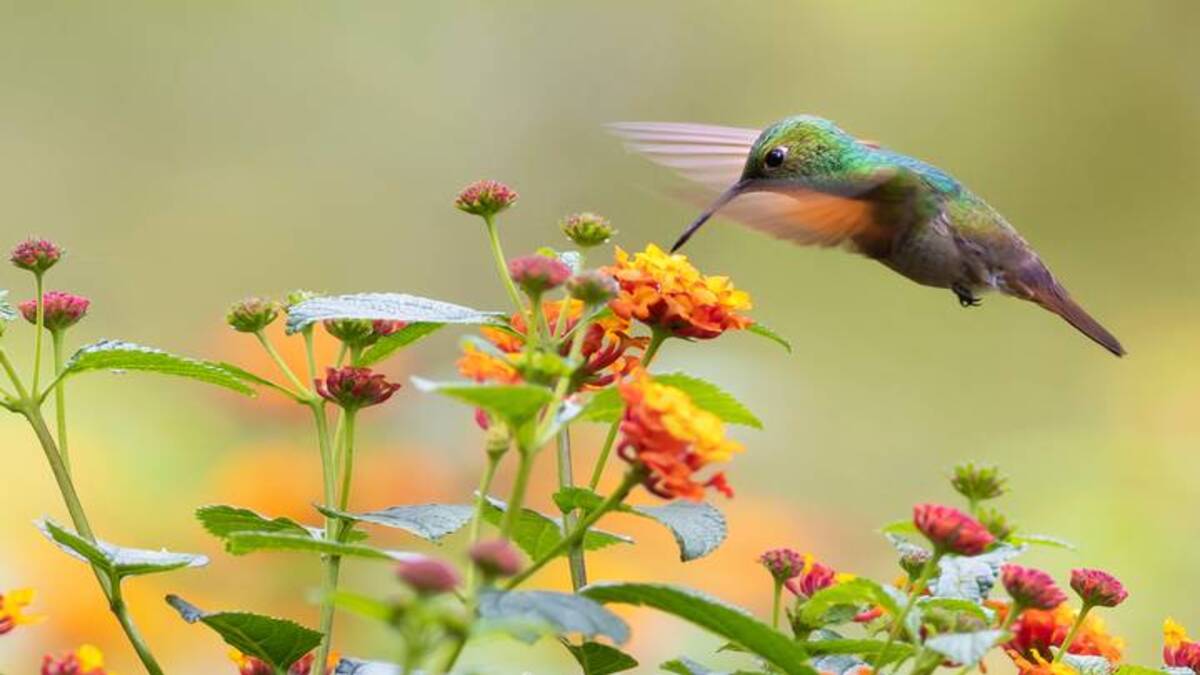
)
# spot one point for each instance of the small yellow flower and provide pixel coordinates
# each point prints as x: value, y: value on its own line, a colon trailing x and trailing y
x: 12, y: 609
x: 1173, y: 633
x: 1040, y: 666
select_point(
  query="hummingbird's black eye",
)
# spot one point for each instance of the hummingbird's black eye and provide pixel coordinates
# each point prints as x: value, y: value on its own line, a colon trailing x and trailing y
x: 775, y: 157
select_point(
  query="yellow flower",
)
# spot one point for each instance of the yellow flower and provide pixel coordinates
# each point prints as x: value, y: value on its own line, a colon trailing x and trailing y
x: 668, y: 435
x: 90, y: 659
x: 12, y: 609
x: 666, y: 292
x: 1040, y: 666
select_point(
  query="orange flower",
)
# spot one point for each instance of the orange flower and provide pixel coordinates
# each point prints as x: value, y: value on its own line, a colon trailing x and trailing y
x: 12, y: 606
x: 1039, y: 665
x: 1036, y: 631
x: 666, y: 292
x: 481, y: 366
x: 665, y: 433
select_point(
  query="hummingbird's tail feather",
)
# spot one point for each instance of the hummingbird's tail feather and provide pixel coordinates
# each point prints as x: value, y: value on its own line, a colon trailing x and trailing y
x: 1038, y: 285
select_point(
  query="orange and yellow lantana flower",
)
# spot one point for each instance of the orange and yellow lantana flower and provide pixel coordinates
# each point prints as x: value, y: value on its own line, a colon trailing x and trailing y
x: 12, y: 609
x: 1037, y: 630
x: 667, y: 293
x: 671, y: 438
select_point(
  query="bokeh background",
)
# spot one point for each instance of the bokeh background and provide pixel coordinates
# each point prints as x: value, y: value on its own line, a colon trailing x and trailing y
x: 191, y: 153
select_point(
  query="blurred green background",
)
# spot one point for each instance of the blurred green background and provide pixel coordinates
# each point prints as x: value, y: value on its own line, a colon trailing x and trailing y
x: 190, y: 153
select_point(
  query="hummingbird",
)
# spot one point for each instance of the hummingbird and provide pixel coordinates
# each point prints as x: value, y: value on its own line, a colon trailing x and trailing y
x: 806, y: 180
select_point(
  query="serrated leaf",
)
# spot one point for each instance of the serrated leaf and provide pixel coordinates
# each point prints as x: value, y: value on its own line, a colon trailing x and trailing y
x: 955, y: 605
x: 222, y: 520
x: 965, y: 649
x: 390, y: 344
x: 565, y: 613
x: 121, y: 356
x: 117, y: 562
x: 384, y: 306
x: 606, y: 405
x: 7, y: 312
x: 872, y: 648
x: 428, y: 521
x: 855, y: 592
x: 278, y: 642
x: 763, y: 331
x: 515, y: 403
x: 729, y: 622
x: 537, y: 534
x: 698, y: 527
x: 1088, y: 664
x: 571, y: 498
x: 241, y: 543
x: 971, y: 577
x: 1042, y: 540
x: 600, y: 659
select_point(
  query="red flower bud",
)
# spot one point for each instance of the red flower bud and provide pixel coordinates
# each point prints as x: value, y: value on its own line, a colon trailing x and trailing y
x: 1030, y: 588
x: 782, y: 563
x: 485, y: 198
x: 951, y: 530
x: 815, y: 577
x: 428, y: 576
x: 353, y: 388
x: 36, y: 255
x: 60, y: 310
x: 1098, y: 588
x: 536, y: 274
x: 496, y: 558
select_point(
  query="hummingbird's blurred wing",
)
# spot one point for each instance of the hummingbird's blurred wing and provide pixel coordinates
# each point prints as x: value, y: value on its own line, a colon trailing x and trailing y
x: 821, y: 215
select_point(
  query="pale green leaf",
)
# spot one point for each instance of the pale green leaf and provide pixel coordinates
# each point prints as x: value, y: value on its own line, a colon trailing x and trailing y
x: 565, y: 613
x: 1042, y: 540
x: 606, y: 405
x: 763, y: 331
x: 241, y: 543
x: 864, y: 648
x: 278, y: 642
x: 124, y: 356
x: 390, y: 344
x: 515, y: 403
x: 1086, y: 664
x: 384, y: 306
x: 856, y: 593
x: 965, y: 648
x: 537, y: 534
x: 7, y: 311
x: 428, y: 521
x: 729, y: 622
x: 117, y: 562
x: 698, y: 527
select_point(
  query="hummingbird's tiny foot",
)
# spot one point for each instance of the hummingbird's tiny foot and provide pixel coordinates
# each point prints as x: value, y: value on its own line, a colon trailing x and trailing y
x: 965, y: 297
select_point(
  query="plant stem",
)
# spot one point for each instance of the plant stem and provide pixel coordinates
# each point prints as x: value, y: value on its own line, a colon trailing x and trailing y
x: 575, y: 556
x: 331, y: 564
x: 302, y: 390
x: 60, y: 398
x: 776, y: 600
x: 575, y: 536
x: 110, y: 587
x: 310, y: 353
x: 12, y: 374
x: 39, y: 324
x: 1066, y: 644
x: 502, y: 264
x: 657, y: 338
x: 348, y: 469
x: 473, y: 531
x: 915, y: 592
x: 517, y: 497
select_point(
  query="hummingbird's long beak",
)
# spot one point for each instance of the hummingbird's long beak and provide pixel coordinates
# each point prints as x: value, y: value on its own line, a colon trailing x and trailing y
x: 726, y: 197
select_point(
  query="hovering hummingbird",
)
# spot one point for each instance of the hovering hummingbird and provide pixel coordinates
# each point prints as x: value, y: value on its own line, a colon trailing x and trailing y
x: 806, y: 180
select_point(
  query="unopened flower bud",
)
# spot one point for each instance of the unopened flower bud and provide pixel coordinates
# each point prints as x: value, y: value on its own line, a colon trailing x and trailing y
x: 60, y: 310
x: 536, y: 274
x: 1098, y: 588
x: 252, y: 314
x: 996, y: 523
x: 978, y: 483
x: 496, y: 558
x: 592, y: 287
x: 951, y: 530
x: 353, y: 388
x: 485, y: 198
x: 587, y: 229
x: 36, y: 255
x: 353, y: 332
x: 428, y: 576
x: 913, y: 560
x: 1031, y: 588
x: 782, y: 563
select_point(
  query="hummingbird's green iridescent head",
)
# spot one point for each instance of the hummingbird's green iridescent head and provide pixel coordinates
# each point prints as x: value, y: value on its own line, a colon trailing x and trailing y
x: 798, y: 148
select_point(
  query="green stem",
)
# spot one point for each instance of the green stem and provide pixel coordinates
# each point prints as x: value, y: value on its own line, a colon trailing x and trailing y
x: 502, y: 264
x: 60, y: 398
x: 348, y: 470
x: 331, y: 564
x: 13, y: 377
x: 39, y: 324
x: 776, y: 601
x: 915, y: 592
x: 517, y: 497
x: 302, y: 390
x: 476, y: 527
x: 657, y: 338
x: 575, y: 557
x: 110, y: 587
x: 310, y: 353
x: 575, y: 536
x: 538, y: 331
x: 1066, y: 644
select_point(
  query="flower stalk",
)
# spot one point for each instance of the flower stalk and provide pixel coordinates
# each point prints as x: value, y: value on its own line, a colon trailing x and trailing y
x: 918, y: 587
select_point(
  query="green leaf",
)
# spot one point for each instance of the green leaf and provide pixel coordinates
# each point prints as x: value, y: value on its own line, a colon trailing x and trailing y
x: 222, y: 520
x: 600, y: 659
x: 385, y: 306
x: 971, y: 577
x: 698, y: 527
x: 1088, y: 664
x: 362, y: 605
x: 1042, y: 540
x: 865, y: 648
x: 761, y: 330
x: 428, y: 521
x: 855, y: 592
x: 965, y: 648
x: 278, y: 642
x: 515, y: 403
x: 565, y: 613
x: 122, y: 356
x: 900, y: 527
x: 729, y: 622
x: 955, y: 605
x: 1132, y: 669
x: 257, y: 380
x: 571, y: 498
x: 390, y: 344
x: 7, y: 312
x: 537, y: 534
x: 115, y: 561
x: 606, y: 405
x: 241, y: 543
